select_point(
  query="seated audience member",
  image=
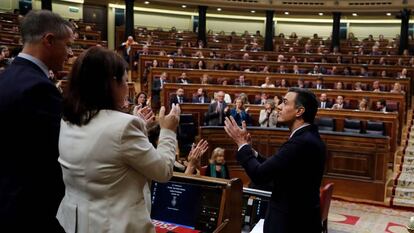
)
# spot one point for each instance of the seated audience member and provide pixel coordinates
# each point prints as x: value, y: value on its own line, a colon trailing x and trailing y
x: 381, y: 105
x: 339, y: 103
x: 217, y: 166
x: 239, y: 113
x: 198, y: 54
x: 246, y: 56
x: 267, y: 83
x: 227, y: 97
x: 170, y: 63
x: 383, y: 74
x: 217, y: 110
x: 301, y: 83
x: 192, y: 164
x: 293, y: 60
x: 244, y: 98
x: 266, y: 69
x: 396, y: 88
x: 363, y: 104
x: 339, y: 86
x: 268, y: 116
x: 376, y: 86
x: 347, y: 71
x: 154, y: 63
x: 363, y: 72
x: 319, y: 83
x: 283, y: 84
x: 403, y: 74
x: 296, y: 70
x: 241, y: 81
x: 183, y: 79
x: 281, y: 69
x: 382, y: 61
x: 200, y: 97
x: 324, y: 102
x: 205, y: 79
x: 179, y: 53
x: 141, y: 101
x: 178, y: 97
x: 105, y: 154
x: 261, y: 100
x: 201, y: 65
x: 358, y: 86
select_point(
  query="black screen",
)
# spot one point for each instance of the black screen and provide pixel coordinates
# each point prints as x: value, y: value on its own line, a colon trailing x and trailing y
x: 191, y: 205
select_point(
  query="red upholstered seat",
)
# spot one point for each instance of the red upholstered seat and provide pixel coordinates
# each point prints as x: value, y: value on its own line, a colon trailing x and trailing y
x: 325, y: 203
x: 203, y: 171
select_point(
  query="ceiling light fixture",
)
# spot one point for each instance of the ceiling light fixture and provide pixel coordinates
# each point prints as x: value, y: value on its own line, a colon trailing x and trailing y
x: 184, y: 6
x: 354, y: 14
x: 388, y: 14
x: 146, y: 2
x: 218, y: 9
x: 286, y: 12
x: 253, y: 11
x: 320, y: 14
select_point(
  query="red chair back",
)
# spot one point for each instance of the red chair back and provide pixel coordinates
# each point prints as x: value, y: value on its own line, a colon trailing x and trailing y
x: 325, y: 200
x: 203, y: 171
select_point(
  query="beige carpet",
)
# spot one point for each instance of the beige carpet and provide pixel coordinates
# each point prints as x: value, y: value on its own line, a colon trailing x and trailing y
x: 347, y: 217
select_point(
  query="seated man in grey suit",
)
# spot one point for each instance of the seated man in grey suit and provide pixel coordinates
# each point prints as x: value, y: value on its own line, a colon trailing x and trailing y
x: 217, y: 111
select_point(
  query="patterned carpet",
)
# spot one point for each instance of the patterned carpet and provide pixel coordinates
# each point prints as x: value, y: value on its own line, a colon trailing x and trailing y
x: 347, y: 217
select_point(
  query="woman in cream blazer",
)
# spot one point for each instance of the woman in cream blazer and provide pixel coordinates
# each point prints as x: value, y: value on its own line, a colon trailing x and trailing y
x: 268, y: 116
x: 106, y: 158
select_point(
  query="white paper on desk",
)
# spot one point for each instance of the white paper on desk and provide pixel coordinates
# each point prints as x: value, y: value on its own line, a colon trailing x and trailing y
x: 259, y: 227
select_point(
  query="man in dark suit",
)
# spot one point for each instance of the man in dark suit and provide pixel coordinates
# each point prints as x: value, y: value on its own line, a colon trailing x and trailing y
x: 324, y: 102
x: 217, y: 111
x: 296, y: 170
x: 31, y: 185
x: 157, y: 86
x: 178, y: 97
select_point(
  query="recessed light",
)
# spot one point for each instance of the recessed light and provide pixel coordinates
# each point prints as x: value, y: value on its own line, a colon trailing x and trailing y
x: 146, y: 2
x: 184, y: 6
x: 388, y: 14
x: 252, y: 11
x: 218, y: 9
x: 354, y: 14
x: 320, y: 14
x: 286, y: 12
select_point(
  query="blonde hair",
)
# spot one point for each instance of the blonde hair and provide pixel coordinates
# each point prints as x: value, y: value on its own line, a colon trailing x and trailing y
x: 216, y: 152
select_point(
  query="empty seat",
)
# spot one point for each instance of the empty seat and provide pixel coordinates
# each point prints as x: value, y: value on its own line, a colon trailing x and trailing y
x: 375, y: 127
x: 392, y: 106
x: 352, y: 126
x: 325, y: 123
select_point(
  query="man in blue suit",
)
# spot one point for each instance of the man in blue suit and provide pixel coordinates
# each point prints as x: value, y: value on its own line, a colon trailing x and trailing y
x: 31, y: 185
x: 296, y: 170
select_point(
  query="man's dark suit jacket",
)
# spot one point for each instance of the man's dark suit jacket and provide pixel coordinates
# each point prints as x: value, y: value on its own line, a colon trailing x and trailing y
x: 31, y: 185
x: 216, y: 118
x: 327, y: 105
x: 296, y: 171
x: 174, y: 99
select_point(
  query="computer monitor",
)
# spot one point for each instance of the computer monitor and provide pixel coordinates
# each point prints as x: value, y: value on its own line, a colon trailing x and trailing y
x: 193, y: 206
